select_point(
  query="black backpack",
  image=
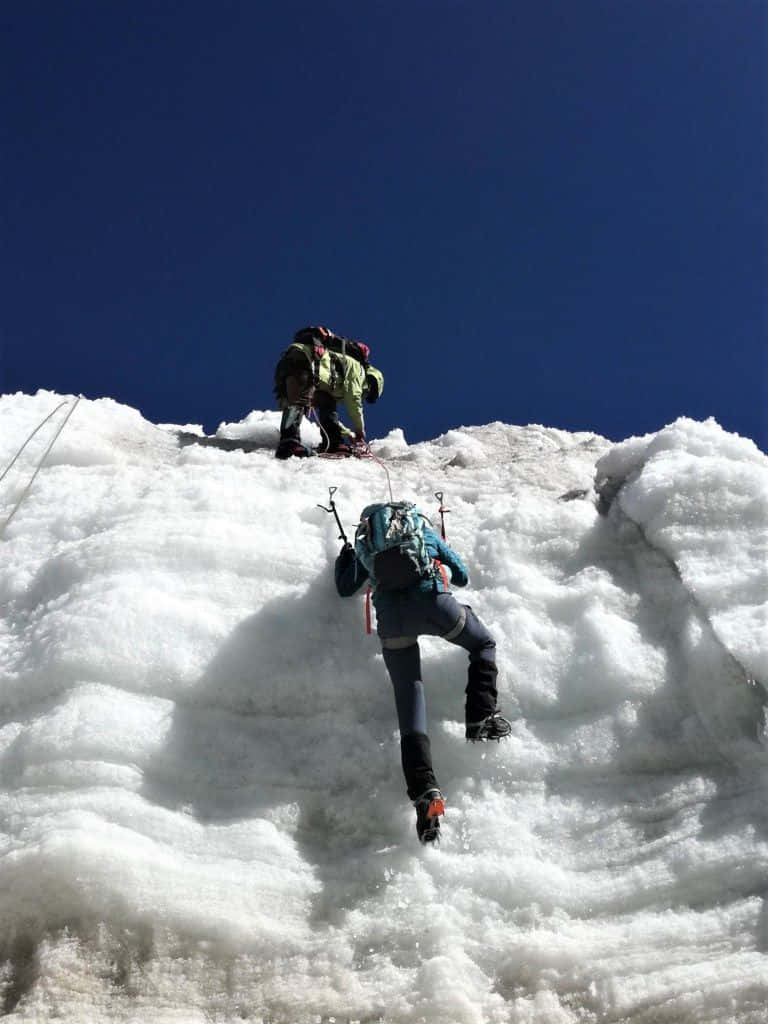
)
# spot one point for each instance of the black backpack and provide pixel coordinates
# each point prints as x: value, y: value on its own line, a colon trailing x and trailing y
x: 390, y: 543
x: 334, y: 343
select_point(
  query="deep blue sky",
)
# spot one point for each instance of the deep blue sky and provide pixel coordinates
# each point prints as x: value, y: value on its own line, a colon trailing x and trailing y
x: 536, y: 211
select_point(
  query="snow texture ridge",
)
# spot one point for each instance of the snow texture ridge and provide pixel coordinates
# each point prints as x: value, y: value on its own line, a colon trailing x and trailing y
x: 702, y: 498
x: 201, y: 808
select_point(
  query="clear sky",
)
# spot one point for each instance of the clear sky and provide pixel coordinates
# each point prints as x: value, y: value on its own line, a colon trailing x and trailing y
x: 537, y: 211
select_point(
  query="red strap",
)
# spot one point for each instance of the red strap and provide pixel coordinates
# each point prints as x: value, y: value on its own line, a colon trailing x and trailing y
x: 368, y: 610
x: 443, y: 574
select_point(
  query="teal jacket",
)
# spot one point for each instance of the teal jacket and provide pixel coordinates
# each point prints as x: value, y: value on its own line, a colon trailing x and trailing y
x: 350, y: 573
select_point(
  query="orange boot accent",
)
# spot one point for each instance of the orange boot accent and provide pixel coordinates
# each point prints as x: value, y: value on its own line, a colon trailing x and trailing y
x: 436, y: 807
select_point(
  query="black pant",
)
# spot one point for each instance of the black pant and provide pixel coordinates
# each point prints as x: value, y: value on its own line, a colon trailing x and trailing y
x: 400, y: 622
x: 297, y: 392
x: 325, y: 406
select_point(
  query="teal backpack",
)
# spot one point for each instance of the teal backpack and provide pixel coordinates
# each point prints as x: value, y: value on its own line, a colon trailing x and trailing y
x: 390, y: 543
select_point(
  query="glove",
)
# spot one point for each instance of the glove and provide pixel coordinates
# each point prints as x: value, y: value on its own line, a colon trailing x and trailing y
x: 346, y: 555
x: 359, y: 437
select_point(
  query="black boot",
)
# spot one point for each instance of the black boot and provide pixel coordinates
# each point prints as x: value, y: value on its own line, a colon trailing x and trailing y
x: 494, y: 727
x: 286, y: 449
x: 416, y: 755
x: 483, y: 721
x: 429, y: 808
x: 481, y: 691
x: 290, y: 434
x: 422, y: 785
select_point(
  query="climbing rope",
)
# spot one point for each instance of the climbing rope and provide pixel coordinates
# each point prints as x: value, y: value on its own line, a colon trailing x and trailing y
x: 38, y: 427
x: 47, y: 451
x: 312, y: 415
x: 364, y: 447
x: 380, y: 462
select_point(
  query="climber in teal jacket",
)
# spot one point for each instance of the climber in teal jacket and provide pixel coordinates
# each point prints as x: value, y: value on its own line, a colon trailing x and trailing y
x: 427, y: 607
x: 351, y: 574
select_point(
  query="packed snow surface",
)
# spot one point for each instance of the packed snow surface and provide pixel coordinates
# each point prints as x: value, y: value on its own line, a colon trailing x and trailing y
x: 203, y: 814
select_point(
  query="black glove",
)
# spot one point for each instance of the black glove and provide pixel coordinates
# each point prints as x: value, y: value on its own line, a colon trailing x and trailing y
x: 346, y: 555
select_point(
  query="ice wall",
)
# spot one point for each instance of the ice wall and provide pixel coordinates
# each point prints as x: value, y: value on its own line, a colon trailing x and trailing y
x: 202, y: 812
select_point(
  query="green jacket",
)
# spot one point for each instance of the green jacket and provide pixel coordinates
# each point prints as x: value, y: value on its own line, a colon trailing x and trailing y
x: 342, y: 377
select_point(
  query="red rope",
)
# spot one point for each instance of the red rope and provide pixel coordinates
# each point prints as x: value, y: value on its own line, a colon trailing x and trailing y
x: 443, y: 574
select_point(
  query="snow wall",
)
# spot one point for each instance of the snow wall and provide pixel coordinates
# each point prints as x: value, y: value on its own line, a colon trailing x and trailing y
x: 203, y: 817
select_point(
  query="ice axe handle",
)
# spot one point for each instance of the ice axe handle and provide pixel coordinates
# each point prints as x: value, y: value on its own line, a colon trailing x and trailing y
x: 332, y: 509
x: 443, y: 511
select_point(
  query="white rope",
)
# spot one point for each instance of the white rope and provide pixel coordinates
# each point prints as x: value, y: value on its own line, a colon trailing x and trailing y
x: 312, y: 415
x: 380, y: 462
x: 39, y: 425
x: 47, y: 451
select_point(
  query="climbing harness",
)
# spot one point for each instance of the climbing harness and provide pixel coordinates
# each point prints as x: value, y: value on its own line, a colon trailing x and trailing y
x: 47, y: 451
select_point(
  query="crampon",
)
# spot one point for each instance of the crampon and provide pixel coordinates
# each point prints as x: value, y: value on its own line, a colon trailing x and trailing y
x: 430, y: 807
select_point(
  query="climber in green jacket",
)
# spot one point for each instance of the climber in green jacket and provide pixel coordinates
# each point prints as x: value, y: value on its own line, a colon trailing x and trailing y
x: 318, y: 370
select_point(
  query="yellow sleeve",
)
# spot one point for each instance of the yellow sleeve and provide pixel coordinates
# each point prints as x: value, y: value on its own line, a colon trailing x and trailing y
x: 354, y: 381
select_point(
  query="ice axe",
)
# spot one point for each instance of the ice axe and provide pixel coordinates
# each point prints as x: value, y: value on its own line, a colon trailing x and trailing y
x: 442, y: 511
x: 332, y: 509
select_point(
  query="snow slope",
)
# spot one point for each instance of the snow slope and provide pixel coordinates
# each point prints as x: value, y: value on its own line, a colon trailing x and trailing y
x: 203, y: 817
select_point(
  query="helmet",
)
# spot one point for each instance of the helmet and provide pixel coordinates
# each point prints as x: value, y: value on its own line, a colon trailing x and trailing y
x: 374, y: 384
